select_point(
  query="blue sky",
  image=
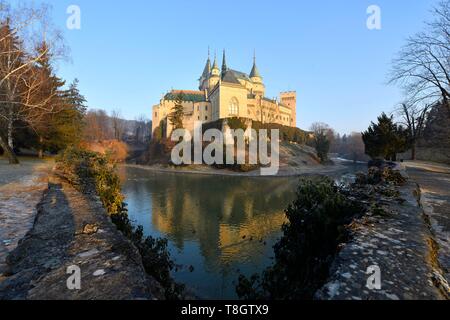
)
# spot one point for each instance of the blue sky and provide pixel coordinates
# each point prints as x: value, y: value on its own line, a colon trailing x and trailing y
x: 128, y: 53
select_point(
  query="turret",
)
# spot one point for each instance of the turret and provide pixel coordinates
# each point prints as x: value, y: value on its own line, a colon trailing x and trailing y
x: 205, y: 75
x: 215, y: 71
x: 215, y: 74
x: 258, y: 86
x: 255, y: 76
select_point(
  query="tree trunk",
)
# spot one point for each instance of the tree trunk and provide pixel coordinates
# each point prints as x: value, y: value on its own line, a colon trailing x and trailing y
x: 8, y: 151
x: 41, y: 148
x: 10, y: 134
x: 413, y: 151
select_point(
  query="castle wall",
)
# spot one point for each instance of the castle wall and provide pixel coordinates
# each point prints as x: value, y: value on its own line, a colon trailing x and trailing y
x: 227, y: 94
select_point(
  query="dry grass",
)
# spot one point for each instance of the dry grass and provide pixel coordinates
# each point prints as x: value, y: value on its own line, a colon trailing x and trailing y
x: 117, y: 150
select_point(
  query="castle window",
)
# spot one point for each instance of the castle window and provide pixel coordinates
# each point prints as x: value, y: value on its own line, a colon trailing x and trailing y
x: 234, y: 108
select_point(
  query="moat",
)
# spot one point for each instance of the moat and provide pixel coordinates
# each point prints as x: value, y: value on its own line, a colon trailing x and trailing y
x: 217, y: 226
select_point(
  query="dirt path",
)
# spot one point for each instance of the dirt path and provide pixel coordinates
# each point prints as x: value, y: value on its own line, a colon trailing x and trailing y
x: 21, y: 189
x: 434, y: 181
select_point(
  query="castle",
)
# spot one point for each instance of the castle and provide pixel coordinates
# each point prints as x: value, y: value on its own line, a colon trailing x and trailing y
x: 227, y: 93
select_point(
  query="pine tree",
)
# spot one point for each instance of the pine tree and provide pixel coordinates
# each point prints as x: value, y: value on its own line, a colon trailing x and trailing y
x: 67, y: 123
x: 177, y: 115
x: 385, y: 139
x: 50, y: 97
x: 437, y: 129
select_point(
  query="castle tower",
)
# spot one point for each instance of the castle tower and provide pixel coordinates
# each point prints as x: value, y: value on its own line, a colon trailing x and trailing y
x: 255, y: 76
x: 215, y: 73
x: 289, y: 99
x: 205, y: 75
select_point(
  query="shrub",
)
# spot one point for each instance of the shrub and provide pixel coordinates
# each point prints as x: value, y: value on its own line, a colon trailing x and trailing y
x: 316, y: 226
x: 92, y: 171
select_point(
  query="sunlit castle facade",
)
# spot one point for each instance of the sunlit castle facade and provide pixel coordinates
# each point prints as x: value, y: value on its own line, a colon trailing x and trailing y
x: 227, y: 93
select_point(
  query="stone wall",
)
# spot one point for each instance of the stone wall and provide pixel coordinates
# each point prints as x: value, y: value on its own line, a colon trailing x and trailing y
x: 428, y: 154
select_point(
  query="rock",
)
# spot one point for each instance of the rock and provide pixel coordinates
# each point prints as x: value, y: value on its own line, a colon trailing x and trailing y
x: 99, y: 273
x: 90, y: 229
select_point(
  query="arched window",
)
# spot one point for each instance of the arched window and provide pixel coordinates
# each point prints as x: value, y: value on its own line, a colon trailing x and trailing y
x: 234, y: 108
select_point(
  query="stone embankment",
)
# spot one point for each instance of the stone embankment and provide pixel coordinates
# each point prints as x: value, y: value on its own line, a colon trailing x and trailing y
x: 72, y: 229
x: 392, y: 254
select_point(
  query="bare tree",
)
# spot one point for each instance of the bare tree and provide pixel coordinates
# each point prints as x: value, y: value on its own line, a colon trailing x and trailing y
x: 117, y: 124
x: 23, y: 30
x: 143, y: 129
x: 413, y: 118
x: 356, y: 147
x: 422, y: 67
x: 97, y: 126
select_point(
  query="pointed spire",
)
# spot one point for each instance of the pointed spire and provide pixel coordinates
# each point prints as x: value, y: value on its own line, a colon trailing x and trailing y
x: 224, y: 63
x: 255, y: 72
x: 215, y: 65
x: 207, y: 69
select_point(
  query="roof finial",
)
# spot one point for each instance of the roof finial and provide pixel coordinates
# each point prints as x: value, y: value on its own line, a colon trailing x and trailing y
x: 209, y: 55
x: 254, y: 56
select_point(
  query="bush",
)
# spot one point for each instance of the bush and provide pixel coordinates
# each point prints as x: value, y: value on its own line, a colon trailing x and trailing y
x: 303, y: 256
x: 89, y: 171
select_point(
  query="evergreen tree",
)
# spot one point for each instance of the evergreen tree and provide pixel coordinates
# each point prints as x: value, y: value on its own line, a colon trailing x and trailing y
x: 50, y: 96
x: 322, y: 144
x: 67, y: 123
x: 385, y: 139
x: 437, y: 129
x: 177, y: 115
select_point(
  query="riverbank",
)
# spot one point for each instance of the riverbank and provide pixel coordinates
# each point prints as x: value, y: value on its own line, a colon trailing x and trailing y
x: 285, y: 171
x: 397, y: 240
x: 405, y: 236
x: 73, y: 229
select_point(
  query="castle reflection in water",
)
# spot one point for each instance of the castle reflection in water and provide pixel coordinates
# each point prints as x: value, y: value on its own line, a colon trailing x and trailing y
x: 216, y: 223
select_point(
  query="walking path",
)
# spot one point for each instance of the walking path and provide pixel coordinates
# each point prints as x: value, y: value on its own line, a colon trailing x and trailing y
x: 434, y: 181
x: 21, y: 188
x: 73, y: 231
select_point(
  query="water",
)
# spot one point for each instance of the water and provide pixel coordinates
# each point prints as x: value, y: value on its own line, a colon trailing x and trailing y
x: 217, y: 227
